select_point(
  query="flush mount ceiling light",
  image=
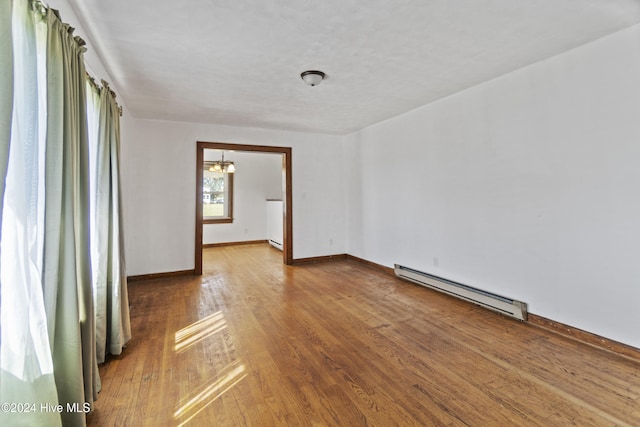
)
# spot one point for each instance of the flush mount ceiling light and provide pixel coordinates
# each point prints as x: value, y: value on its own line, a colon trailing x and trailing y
x: 312, y: 77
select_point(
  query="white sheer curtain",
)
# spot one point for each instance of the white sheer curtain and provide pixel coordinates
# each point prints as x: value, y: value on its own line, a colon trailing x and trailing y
x: 47, y: 321
x: 6, y: 88
x: 26, y: 365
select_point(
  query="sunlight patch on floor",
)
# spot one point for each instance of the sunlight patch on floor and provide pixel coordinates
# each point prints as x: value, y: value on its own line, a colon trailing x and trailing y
x: 198, y: 331
x: 235, y: 372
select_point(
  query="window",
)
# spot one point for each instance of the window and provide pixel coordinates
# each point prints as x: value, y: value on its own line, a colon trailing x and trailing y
x: 217, y: 196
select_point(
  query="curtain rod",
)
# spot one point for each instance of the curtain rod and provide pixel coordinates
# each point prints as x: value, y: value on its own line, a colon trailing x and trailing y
x: 103, y: 86
x: 41, y: 8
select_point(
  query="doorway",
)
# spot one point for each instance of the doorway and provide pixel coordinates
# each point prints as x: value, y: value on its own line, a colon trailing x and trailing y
x: 287, y: 244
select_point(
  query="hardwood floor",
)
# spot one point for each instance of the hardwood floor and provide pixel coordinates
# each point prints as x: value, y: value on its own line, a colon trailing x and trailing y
x: 255, y: 342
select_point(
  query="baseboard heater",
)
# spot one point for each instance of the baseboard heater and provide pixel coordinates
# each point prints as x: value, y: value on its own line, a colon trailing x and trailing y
x: 275, y: 244
x: 507, y: 306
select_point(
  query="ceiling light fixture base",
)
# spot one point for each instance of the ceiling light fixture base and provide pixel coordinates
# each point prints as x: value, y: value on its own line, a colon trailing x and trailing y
x: 313, y: 77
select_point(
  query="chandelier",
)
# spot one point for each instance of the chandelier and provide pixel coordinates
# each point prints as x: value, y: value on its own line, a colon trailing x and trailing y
x: 220, y: 166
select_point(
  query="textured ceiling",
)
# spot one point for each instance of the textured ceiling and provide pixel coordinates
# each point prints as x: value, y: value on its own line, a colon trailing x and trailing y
x: 238, y: 62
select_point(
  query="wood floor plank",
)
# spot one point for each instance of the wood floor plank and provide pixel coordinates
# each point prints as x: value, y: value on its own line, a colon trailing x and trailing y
x: 256, y: 343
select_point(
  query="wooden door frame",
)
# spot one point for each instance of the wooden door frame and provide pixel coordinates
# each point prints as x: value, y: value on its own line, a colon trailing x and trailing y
x: 287, y: 242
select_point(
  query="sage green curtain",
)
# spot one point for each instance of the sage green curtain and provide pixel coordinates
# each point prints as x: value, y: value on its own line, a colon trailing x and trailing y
x: 67, y: 287
x: 113, y: 328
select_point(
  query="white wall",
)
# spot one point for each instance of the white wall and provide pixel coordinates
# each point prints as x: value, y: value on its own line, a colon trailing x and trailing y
x: 160, y: 200
x: 526, y: 186
x: 258, y: 177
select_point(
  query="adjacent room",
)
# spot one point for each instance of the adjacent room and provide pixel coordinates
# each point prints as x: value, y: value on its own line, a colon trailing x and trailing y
x: 240, y: 212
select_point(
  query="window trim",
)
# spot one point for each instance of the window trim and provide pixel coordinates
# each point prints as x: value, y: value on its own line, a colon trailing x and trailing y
x: 228, y: 195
